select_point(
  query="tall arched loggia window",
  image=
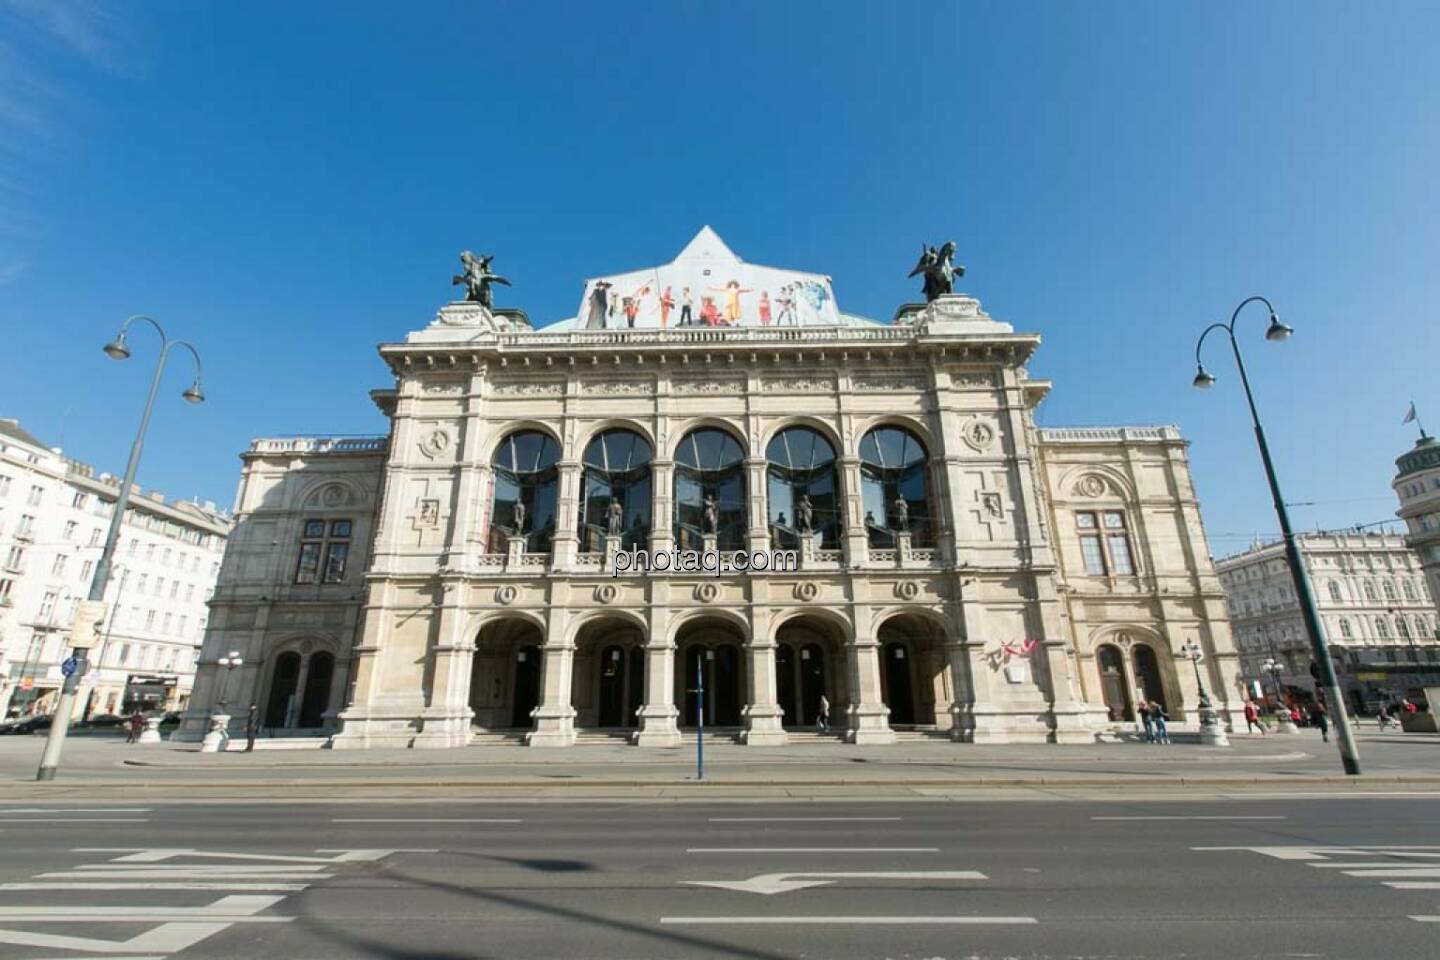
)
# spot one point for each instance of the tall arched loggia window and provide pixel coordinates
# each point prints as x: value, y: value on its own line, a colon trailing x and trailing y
x: 894, y: 465
x: 525, y: 474
x: 616, y: 467
x: 709, y: 464
x: 801, y: 475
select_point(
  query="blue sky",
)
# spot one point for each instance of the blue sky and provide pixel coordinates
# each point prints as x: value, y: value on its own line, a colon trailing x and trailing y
x: 288, y: 185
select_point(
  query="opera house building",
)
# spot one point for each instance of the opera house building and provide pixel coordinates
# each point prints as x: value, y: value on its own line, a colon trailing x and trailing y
x: 864, y: 535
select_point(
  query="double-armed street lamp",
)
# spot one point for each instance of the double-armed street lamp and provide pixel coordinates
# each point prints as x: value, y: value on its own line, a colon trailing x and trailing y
x: 116, y: 349
x: 1276, y: 333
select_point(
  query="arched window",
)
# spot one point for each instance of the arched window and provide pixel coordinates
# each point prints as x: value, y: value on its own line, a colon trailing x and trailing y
x: 1370, y: 591
x: 894, y: 466
x: 1409, y: 590
x: 525, y: 476
x: 801, y: 475
x: 616, y: 466
x: 1390, y: 590
x: 1402, y: 628
x: 1345, y: 628
x: 1382, y: 629
x: 1335, y: 591
x: 709, y: 465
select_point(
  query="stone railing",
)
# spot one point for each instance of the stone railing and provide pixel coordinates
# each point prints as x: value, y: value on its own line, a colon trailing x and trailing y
x: 589, y: 561
x: 370, y: 444
x: 533, y: 560
x: 489, y: 561
x: 829, y: 556
x: 882, y: 556
x: 705, y: 335
x: 1107, y: 434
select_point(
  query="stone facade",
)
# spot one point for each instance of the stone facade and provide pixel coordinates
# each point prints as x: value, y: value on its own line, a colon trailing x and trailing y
x: 1032, y: 585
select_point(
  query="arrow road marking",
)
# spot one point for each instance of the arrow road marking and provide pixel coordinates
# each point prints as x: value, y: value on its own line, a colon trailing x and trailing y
x: 772, y: 883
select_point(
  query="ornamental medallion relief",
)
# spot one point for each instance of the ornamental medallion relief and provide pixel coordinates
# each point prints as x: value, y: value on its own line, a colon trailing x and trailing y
x: 979, y: 435
x: 435, y: 443
x: 806, y: 591
x: 507, y: 594
x: 606, y: 593
x: 1090, y: 486
x: 907, y: 590
x: 706, y: 592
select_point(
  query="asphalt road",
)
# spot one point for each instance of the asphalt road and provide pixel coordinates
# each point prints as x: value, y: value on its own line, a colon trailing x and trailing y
x: 1308, y: 874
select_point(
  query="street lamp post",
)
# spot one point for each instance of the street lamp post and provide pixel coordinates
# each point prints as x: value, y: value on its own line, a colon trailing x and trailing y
x: 220, y: 720
x: 1282, y: 712
x: 116, y: 349
x: 1212, y: 732
x: 1277, y: 331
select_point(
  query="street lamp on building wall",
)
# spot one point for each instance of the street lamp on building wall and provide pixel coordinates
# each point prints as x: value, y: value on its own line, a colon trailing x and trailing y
x: 1276, y: 333
x: 116, y: 349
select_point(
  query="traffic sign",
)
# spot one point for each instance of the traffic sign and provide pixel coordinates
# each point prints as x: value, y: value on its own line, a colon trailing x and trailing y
x: 68, y: 667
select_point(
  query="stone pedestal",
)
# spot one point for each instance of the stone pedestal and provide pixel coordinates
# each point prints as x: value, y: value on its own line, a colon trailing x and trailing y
x: 1212, y: 731
x: 1283, y: 724
x: 763, y: 716
x: 555, y: 717
x: 869, y: 718
x: 709, y: 542
x: 151, y: 733
x: 612, y: 547
x: 218, y: 734
x: 902, y: 547
x: 514, y: 550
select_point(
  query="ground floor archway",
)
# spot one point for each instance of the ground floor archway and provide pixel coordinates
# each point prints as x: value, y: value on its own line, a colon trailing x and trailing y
x: 915, y: 682
x: 505, y: 675
x: 1114, y: 687
x: 716, y: 647
x: 809, y: 664
x: 608, y: 678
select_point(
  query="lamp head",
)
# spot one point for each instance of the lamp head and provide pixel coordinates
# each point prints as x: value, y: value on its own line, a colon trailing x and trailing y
x: 1203, y: 380
x: 116, y: 349
x: 193, y: 393
x: 1278, y: 331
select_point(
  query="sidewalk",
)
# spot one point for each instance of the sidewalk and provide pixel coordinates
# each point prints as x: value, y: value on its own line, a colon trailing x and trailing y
x: 1272, y: 760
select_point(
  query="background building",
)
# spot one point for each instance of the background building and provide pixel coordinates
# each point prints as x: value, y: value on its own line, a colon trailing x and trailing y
x: 1417, y: 484
x: 961, y: 574
x: 1376, y: 608
x: 54, y: 514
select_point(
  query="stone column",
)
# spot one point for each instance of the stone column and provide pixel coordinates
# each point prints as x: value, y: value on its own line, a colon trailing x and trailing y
x: 972, y: 696
x: 662, y: 518
x: 856, y: 541
x: 566, y: 541
x: 445, y: 721
x: 869, y: 717
x: 659, y: 726
x: 757, y: 538
x: 763, y: 714
x: 555, y: 717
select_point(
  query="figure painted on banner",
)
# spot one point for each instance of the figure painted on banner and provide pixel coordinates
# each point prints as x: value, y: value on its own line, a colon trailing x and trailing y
x: 815, y: 296
x: 709, y: 316
x: 614, y: 517
x: 764, y: 308
x: 712, y: 514
x: 667, y: 303
x: 786, y: 299
x: 518, y: 516
x: 732, y: 291
x: 632, y: 305
x: 599, y: 303
x: 902, y: 514
x: 804, y: 514
x: 687, y: 302
x: 614, y: 306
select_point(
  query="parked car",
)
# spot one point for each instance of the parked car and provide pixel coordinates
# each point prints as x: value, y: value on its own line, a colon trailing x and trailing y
x: 31, y: 725
x: 102, y: 721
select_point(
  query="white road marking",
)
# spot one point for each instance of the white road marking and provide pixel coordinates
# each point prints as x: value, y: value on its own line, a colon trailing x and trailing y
x: 420, y: 820
x: 858, y: 920
x: 74, y: 819
x: 174, y: 873
x: 1304, y: 852
x: 1413, y: 884
x: 128, y: 885
x: 799, y: 819
x: 813, y: 850
x: 157, y: 854
x: 772, y: 883
x: 1425, y: 919
x: 77, y: 810
x: 1274, y: 817
x: 1401, y: 873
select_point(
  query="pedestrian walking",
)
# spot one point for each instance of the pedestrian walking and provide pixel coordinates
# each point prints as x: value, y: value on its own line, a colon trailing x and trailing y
x: 135, y: 726
x: 1159, y: 718
x: 1146, y: 721
x: 1252, y: 718
x: 822, y: 715
x: 1321, y: 719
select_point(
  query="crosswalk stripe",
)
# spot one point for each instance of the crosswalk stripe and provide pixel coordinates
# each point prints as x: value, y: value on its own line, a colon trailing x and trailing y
x: 131, y: 885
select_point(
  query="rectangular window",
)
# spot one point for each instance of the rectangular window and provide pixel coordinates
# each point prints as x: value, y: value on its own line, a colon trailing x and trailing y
x: 140, y: 584
x: 57, y: 569
x: 150, y: 620
x: 5, y: 586
x: 85, y: 570
x: 149, y: 551
x: 1090, y: 548
x: 174, y: 589
x: 78, y: 501
x: 70, y: 526
x: 165, y: 558
x: 159, y: 586
x: 95, y: 537
x: 125, y: 655
x: 4, y: 485
x: 189, y: 592
x: 324, y: 551
x: 26, y: 523
x: 47, y: 606
x: 36, y: 495
x: 16, y: 560
x: 134, y: 545
x: 165, y: 624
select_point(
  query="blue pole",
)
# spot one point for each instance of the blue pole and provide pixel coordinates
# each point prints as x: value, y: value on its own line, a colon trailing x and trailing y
x: 700, y: 716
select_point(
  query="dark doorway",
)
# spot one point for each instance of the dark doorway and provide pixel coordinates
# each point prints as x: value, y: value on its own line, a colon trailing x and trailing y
x: 612, y: 687
x: 317, y: 690
x: 282, y: 688
x: 723, y: 696
x: 785, y: 685
x: 1147, y: 675
x: 527, y: 685
x: 812, y: 682
x: 637, y: 687
x: 1112, y: 684
x: 899, y: 694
